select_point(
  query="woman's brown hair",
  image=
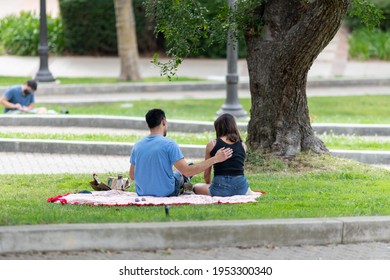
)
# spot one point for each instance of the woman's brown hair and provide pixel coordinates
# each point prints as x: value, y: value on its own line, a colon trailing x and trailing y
x: 225, y: 125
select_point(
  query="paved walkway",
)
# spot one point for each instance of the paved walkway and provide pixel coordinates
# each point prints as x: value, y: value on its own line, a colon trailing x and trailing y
x: 215, y: 69
x: 357, y: 251
x: 39, y: 163
x: 89, y: 98
x: 14, y: 7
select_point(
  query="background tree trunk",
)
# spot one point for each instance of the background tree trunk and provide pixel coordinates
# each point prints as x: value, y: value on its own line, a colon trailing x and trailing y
x: 127, y: 40
x: 279, y: 59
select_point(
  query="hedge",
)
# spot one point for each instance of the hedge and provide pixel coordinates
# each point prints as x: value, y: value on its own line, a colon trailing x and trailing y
x: 19, y: 35
x: 89, y: 26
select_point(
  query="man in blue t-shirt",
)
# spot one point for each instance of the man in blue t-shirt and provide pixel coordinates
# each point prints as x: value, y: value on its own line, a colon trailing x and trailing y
x: 153, y: 157
x: 19, y: 98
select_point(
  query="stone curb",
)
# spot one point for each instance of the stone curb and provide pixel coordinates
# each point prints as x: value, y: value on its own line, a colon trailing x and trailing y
x: 76, y: 89
x: 174, y: 125
x: 120, y: 149
x: 353, y: 129
x: 185, y: 235
x: 82, y: 147
x: 370, y: 157
x: 133, y: 88
x: 99, y: 121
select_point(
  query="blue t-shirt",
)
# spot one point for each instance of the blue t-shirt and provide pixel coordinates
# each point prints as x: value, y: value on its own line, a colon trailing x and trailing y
x: 153, y: 158
x: 15, y: 95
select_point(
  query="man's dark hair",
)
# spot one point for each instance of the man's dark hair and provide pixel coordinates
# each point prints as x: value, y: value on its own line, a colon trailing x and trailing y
x: 32, y: 84
x: 154, y: 117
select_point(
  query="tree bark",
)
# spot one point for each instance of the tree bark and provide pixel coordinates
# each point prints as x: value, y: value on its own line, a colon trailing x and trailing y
x: 127, y: 40
x: 294, y: 34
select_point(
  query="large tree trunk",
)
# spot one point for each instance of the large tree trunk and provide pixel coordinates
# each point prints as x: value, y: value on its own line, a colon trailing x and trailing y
x: 127, y: 40
x: 279, y: 59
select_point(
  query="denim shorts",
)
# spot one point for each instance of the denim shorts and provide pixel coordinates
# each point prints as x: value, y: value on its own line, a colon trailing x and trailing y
x: 228, y: 185
x: 178, y: 177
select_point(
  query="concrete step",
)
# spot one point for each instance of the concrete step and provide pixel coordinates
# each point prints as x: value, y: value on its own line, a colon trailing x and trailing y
x: 138, y: 123
x: 135, y: 123
x: 82, y: 147
x: 113, y: 149
x: 75, y: 90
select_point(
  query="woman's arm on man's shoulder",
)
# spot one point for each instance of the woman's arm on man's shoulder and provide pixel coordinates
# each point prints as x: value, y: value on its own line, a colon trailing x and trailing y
x: 207, y: 173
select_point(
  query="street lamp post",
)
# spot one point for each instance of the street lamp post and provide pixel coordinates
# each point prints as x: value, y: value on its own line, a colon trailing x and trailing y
x: 43, y: 74
x: 232, y: 105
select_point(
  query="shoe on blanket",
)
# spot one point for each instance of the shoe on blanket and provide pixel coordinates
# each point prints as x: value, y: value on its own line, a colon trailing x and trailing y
x: 97, y: 185
x: 188, y: 188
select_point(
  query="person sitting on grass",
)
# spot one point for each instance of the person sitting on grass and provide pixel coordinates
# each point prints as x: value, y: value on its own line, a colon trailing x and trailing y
x: 20, y: 99
x: 229, y: 178
x: 153, y: 157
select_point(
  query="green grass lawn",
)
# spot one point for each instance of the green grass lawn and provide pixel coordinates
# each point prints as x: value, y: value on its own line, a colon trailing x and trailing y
x: 370, y: 109
x: 322, y: 187
x: 346, y: 142
x: 181, y: 138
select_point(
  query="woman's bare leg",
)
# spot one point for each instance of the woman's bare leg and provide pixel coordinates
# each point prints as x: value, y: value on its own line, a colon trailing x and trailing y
x: 202, y: 188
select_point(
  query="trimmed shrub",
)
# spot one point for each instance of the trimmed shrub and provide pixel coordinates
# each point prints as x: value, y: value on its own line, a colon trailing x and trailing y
x: 89, y: 26
x: 366, y: 44
x: 19, y: 35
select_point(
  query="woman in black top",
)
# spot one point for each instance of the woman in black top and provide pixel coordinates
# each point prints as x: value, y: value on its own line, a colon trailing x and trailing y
x: 229, y: 178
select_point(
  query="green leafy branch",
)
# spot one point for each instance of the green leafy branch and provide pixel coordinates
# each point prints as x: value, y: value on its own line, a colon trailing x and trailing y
x: 370, y: 14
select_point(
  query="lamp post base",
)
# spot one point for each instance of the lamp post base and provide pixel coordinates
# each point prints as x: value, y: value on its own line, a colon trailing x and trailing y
x: 235, y: 110
x: 44, y: 76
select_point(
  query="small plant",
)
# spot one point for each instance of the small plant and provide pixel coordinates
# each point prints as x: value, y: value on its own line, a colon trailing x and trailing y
x: 254, y: 160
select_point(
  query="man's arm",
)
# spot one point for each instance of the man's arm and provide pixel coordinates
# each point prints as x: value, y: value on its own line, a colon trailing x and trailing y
x: 131, y: 172
x: 30, y: 106
x: 191, y: 170
x: 4, y: 101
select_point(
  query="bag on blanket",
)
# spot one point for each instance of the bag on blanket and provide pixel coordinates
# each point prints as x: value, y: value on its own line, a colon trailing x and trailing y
x: 112, y: 184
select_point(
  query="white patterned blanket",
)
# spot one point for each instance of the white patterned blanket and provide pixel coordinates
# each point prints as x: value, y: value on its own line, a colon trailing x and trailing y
x: 124, y: 198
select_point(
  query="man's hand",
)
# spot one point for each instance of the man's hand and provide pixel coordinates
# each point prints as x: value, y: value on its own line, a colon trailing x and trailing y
x: 223, y: 154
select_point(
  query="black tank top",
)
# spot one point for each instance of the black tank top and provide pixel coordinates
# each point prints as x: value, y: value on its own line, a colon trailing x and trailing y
x: 233, y: 166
